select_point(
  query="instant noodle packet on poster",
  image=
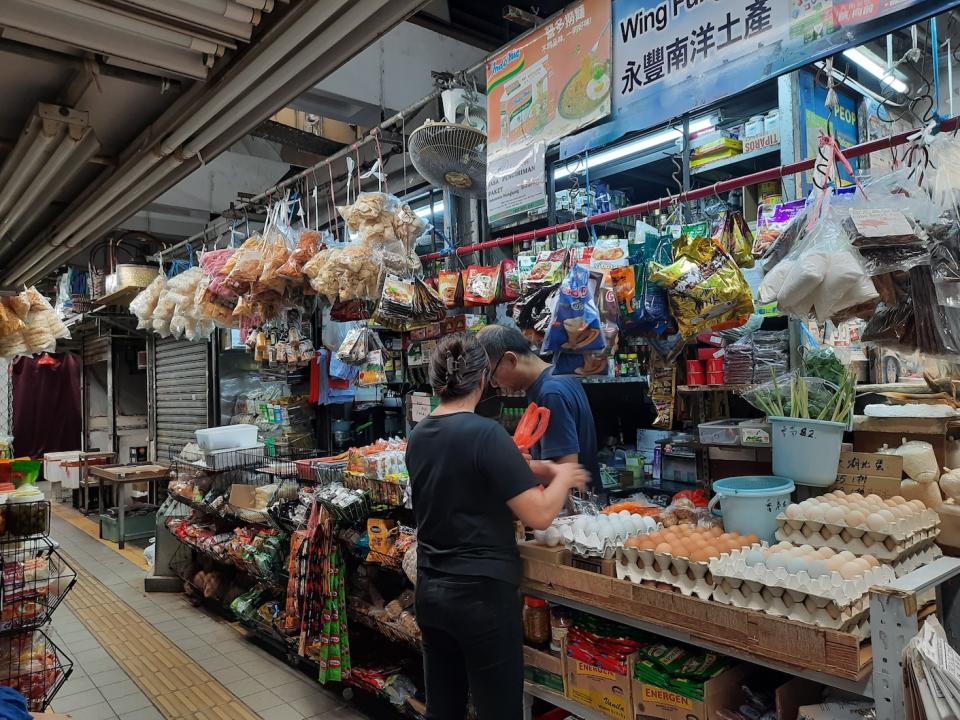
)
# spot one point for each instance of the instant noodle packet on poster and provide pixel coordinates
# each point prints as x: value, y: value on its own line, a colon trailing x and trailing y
x: 705, y: 286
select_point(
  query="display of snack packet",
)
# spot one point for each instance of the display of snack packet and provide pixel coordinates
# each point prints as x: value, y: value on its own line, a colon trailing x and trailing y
x: 450, y: 287
x: 481, y: 285
x: 575, y: 324
x: 705, y: 286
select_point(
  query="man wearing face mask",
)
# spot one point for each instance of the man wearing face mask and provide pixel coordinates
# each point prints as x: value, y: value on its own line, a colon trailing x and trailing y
x: 571, y: 435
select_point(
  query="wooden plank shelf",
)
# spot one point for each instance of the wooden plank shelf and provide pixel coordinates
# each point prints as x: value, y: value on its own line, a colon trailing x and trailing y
x: 834, y: 658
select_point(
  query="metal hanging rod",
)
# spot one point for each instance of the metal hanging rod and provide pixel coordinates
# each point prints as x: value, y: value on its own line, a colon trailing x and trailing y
x: 278, y: 189
x: 719, y: 187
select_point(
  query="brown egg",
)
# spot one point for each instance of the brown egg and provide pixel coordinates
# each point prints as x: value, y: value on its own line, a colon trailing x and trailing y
x: 698, y: 540
x: 665, y: 548
x: 711, y: 550
x: 633, y: 542
x: 655, y: 537
x: 751, y: 539
x: 701, y: 554
x: 716, y: 531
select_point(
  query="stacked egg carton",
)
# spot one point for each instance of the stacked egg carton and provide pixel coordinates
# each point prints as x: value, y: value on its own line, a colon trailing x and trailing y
x: 890, y: 530
x: 815, y: 586
x: 658, y: 561
x: 595, y: 535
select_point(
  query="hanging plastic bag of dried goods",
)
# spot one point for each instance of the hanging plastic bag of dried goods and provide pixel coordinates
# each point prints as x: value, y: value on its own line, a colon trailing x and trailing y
x: 575, y: 325
x: 9, y: 322
x: 309, y: 243
x: 246, y: 264
x: 143, y: 305
x: 358, y: 343
x: 732, y: 233
x: 279, y: 241
x: 937, y: 326
x: 822, y: 274
x: 885, y: 223
x: 705, y: 286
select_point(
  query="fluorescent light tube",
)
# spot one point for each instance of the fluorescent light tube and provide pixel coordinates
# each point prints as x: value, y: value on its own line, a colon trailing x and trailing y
x: 635, y: 146
x: 424, y: 211
x: 885, y: 76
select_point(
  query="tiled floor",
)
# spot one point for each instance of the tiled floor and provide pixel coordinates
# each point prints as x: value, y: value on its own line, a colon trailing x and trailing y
x: 100, y: 688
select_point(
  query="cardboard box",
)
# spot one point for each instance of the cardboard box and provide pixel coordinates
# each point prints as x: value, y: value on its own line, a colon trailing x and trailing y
x: 607, y: 692
x: 543, y: 668
x: 721, y: 692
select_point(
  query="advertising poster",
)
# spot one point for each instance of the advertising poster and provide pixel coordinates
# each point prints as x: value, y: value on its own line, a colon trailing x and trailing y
x: 674, y: 56
x: 554, y: 81
x: 814, y: 117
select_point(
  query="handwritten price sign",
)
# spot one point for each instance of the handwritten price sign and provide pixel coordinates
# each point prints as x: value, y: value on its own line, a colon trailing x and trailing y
x: 869, y: 473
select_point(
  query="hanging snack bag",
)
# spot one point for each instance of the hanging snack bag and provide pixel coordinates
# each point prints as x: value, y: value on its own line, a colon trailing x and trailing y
x: 450, y: 286
x: 371, y: 372
x: 509, y: 280
x: 246, y: 264
x: 705, y: 285
x: 481, y: 285
x: 308, y: 244
x: 575, y: 325
x: 548, y: 269
x: 736, y: 238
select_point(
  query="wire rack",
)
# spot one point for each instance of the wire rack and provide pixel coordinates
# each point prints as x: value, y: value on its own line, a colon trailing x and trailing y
x: 34, y: 666
x: 389, y: 629
x: 36, y: 578
x: 381, y: 492
x: 24, y: 520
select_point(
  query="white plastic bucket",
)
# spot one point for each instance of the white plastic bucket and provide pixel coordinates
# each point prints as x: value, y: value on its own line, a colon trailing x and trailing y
x: 751, y: 503
x: 806, y: 451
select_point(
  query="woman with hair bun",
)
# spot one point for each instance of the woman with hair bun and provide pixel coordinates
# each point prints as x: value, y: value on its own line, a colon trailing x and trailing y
x: 469, y: 482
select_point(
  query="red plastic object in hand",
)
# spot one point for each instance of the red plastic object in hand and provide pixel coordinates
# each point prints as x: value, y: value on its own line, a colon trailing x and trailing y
x: 531, y: 427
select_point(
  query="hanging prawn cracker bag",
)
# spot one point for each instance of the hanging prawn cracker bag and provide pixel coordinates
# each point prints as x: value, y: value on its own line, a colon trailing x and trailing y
x: 575, y: 325
x: 705, y: 286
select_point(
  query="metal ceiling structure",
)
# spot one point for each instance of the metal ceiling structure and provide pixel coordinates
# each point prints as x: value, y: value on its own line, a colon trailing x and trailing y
x: 155, y: 116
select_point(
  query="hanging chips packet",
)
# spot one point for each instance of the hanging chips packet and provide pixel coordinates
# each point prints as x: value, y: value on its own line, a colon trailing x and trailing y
x: 705, y: 286
x: 575, y: 325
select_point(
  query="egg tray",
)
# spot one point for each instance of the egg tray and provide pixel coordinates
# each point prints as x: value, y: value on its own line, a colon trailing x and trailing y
x: 883, y: 546
x: 902, y: 529
x: 687, y: 576
x: 915, y: 558
x: 853, y: 618
x: 593, y: 546
x: 734, y: 572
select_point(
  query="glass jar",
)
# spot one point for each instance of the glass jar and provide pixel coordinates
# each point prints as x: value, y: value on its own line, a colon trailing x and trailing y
x: 560, y: 621
x: 536, y: 621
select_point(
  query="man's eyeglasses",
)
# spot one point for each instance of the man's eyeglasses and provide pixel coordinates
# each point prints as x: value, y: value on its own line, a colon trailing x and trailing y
x: 493, y: 382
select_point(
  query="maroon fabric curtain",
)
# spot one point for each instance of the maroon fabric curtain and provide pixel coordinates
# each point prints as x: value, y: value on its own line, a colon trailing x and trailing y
x: 46, y: 404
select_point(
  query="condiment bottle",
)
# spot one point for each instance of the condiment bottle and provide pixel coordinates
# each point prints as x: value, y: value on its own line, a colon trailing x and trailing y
x: 536, y: 621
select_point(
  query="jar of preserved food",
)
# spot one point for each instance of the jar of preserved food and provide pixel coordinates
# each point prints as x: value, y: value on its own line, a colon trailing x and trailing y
x: 560, y: 621
x: 536, y: 621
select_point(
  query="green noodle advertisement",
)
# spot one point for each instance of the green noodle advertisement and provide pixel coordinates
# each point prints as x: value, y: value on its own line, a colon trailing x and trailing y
x: 553, y: 81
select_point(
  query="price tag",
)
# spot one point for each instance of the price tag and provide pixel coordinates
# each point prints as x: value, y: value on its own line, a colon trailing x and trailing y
x: 885, y: 487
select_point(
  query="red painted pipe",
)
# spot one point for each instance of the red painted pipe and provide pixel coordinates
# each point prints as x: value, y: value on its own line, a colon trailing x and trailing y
x: 717, y: 188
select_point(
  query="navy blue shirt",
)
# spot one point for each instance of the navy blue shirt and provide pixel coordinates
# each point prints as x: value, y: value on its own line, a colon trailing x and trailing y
x: 571, y: 430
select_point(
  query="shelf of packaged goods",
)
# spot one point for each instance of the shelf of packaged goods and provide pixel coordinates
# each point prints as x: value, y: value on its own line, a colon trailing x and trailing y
x: 532, y: 690
x: 279, y: 580
x: 607, y: 380
x: 735, y: 160
x: 714, y: 388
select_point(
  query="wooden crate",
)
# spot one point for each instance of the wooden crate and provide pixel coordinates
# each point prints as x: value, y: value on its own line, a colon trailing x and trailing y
x: 747, y: 632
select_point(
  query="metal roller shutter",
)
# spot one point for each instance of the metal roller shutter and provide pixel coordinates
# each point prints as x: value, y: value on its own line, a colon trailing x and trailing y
x: 181, y: 402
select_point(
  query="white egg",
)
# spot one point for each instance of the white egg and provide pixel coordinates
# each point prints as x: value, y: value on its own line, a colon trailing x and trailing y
x: 638, y: 523
x: 794, y: 511
x: 877, y: 523
x: 539, y: 536
x: 551, y: 536
x: 796, y: 564
x: 817, y: 512
x: 834, y: 515
x: 846, y: 556
x: 753, y: 557
x: 816, y: 568
x: 874, y: 500
x: 775, y: 561
x: 624, y: 514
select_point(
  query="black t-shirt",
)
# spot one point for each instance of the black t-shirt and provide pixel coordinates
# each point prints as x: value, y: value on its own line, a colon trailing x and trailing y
x: 463, y: 470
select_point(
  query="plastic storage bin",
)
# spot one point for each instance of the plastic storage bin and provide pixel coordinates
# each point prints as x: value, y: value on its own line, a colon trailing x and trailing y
x: 806, y: 451
x: 226, y: 437
x: 751, y: 503
x: 720, y: 432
